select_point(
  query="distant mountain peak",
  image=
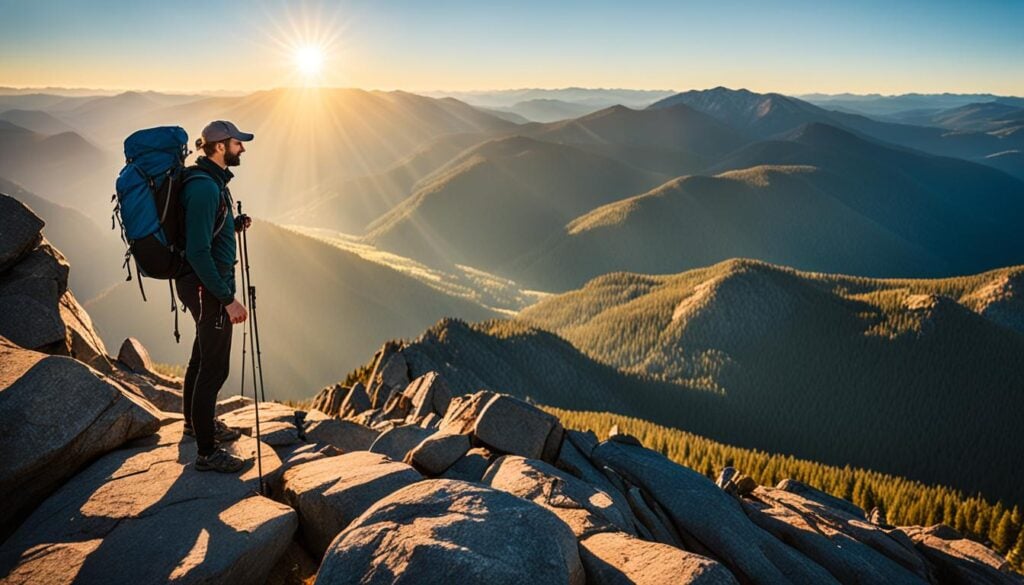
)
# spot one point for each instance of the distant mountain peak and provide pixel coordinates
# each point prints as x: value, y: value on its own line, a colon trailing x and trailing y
x: 818, y: 131
x: 502, y: 147
x: 742, y: 108
x: 610, y: 110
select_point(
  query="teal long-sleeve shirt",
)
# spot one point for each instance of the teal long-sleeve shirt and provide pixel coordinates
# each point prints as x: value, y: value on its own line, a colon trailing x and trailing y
x: 212, y: 257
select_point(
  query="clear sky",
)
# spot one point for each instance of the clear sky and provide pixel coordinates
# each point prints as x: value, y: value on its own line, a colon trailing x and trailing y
x: 869, y: 46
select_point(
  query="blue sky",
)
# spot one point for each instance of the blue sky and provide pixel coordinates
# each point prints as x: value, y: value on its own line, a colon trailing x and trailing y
x: 791, y: 47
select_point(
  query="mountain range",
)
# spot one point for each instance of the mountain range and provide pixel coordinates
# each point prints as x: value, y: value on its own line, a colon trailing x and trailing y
x: 768, y: 115
x: 897, y: 105
x: 698, y: 244
x: 823, y: 199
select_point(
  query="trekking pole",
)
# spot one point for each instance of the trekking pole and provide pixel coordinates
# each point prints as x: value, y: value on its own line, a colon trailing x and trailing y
x: 254, y: 337
x: 245, y: 303
x: 255, y: 392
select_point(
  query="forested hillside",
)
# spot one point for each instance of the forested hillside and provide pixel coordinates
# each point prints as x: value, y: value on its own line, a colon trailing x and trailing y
x: 887, y: 369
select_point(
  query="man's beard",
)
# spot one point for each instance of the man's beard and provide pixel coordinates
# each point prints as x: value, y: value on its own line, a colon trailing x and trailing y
x: 232, y: 160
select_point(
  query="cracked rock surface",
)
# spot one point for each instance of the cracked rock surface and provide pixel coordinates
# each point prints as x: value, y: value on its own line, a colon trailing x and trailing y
x: 145, y: 511
x: 58, y: 414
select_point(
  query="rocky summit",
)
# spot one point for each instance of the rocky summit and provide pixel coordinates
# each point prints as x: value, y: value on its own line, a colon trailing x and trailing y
x: 394, y: 479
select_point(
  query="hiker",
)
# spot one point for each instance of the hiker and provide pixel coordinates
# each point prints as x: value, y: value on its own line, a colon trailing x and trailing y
x: 208, y: 291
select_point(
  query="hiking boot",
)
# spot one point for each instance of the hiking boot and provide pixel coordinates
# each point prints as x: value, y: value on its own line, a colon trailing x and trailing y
x: 222, y: 433
x: 220, y: 460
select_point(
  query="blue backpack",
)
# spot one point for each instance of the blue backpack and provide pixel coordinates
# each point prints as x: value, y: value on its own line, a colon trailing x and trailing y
x: 148, y: 207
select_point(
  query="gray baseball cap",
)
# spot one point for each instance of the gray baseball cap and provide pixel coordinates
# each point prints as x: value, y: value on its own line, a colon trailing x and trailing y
x: 222, y: 130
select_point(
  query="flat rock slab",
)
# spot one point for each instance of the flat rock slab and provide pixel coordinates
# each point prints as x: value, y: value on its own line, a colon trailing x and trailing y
x: 232, y: 403
x: 509, y: 425
x: 616, y: 558
x: 345, y: 435
x: 329, y: 493
x: 584, y: 508
x: 462, y: 412
x: 696, y: 506
x: 438, y: 452
x: 277, y: 423
x: 444, y: 531
x: 291, y: 456
x: 58, y: 414
x: 959, y: 560
x: 163, y: 397
x: 802, y: 489
x: 144, y: 514
x: 397, y: 442
x: 269, y: 411
x: 852, y: 549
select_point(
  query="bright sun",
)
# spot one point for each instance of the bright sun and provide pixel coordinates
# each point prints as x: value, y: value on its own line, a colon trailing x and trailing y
x: 309, y: 60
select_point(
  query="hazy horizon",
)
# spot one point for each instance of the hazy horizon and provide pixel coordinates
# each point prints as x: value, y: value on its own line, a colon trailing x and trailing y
x: 792, y: 48
x: 223, y: 92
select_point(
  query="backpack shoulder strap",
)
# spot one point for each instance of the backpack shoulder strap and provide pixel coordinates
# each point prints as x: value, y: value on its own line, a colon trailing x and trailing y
x: 197, y: 172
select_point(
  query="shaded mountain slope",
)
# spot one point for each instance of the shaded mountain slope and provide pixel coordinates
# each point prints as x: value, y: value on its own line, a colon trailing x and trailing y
x: 673, y: 140
x: 500, y: 199
x: 36, y: 121
x: 64, y: 168
x: 909, y: 192
x: 778, y: 213
x: 975, y: 117
x: 822, y: 200
x: 1010, y: 162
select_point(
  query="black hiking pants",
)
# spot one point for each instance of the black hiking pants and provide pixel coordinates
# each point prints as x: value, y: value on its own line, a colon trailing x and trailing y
x: 208, y: 367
